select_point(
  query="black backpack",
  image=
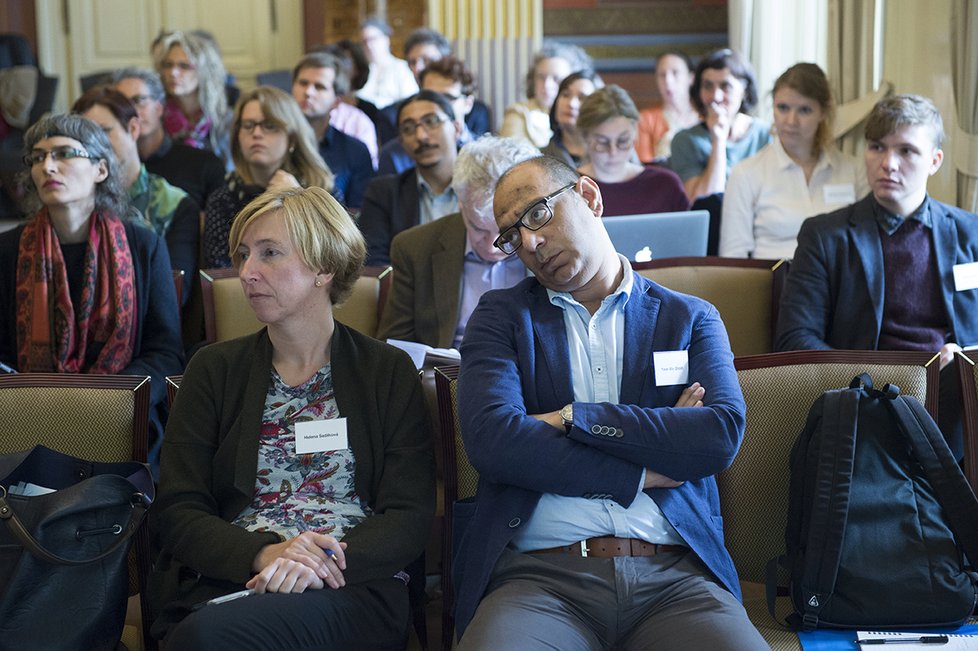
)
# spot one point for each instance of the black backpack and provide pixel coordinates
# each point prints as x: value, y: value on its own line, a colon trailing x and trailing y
x: 880, y: 517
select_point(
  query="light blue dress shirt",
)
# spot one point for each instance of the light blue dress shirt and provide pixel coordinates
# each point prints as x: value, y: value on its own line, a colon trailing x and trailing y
x: 478, y: 277
x: 435, y: 206
x: 596, y: 349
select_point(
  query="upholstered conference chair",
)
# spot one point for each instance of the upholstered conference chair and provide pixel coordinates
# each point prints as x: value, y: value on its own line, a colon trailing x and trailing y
x: 460, y: 483
x: 968, y: 370
x: 746, y: 292
x: 227, y: 313
x: 97, y: 417
x: 779, y: 389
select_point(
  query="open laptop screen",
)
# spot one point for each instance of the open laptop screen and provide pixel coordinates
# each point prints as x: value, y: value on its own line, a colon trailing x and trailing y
x: 652, y: 236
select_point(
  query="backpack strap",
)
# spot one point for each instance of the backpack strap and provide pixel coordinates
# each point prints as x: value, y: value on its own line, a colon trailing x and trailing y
x: 830, y: 501
x: 942, y: 471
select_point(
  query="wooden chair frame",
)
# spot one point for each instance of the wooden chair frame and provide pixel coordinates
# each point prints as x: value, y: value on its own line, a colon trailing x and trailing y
x: 444, y: 376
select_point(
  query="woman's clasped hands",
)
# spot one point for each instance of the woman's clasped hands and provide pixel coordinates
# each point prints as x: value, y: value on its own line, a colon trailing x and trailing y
x: 308, y: 561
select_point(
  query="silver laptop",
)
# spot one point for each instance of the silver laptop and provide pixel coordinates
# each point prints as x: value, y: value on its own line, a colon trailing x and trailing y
x: 641, y: 238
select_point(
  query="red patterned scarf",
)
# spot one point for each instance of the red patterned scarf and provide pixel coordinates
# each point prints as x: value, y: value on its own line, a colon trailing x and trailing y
x: 53, y: 334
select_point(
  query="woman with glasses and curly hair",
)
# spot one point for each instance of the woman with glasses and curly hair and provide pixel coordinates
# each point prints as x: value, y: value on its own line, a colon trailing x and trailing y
x: 193, y: 74
x: 272, y: 147
x: 608, y: 120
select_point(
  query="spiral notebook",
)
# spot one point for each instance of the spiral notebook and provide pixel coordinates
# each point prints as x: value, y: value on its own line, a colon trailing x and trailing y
x: 904, y: 640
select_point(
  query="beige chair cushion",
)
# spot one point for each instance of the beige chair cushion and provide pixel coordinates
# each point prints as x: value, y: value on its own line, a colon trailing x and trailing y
x: 235, y: 318
x: 742, y: 295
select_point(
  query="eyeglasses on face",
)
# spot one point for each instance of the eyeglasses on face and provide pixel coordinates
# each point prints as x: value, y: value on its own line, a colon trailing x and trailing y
x: 38, y: 156
x: 603, y: 145
x: 533, y: 218
x: 429, y: 122
x: 139, y: 100
x: 267, y: 126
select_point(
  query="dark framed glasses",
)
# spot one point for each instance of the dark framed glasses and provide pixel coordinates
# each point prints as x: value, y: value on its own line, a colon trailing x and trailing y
x: 533, y: 218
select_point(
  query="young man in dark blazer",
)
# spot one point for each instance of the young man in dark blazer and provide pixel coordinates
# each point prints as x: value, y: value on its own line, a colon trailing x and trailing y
x: 897, y: 270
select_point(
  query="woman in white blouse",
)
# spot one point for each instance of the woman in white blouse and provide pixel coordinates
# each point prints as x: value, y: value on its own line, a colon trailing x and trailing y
x: 798, y: 175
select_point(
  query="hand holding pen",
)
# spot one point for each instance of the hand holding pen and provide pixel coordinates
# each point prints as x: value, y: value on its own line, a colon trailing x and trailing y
x: 308, y: 561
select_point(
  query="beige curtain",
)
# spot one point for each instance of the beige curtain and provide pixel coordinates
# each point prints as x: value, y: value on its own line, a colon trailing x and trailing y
x: 853, y: 57
x: 774, y: 35
x: 964, y: 75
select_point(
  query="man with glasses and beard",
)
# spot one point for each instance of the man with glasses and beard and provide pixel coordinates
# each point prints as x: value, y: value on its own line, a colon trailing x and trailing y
x: 396, y: 202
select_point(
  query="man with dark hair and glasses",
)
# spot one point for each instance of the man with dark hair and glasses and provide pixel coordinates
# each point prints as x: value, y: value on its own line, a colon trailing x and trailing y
x: 597, y: 407
x: 453, y: 79
x: 395, y: 202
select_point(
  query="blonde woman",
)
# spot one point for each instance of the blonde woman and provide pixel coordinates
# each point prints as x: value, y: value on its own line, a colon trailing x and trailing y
x: 196, y: 110
x: 272, y: 147
x: 798, y: 175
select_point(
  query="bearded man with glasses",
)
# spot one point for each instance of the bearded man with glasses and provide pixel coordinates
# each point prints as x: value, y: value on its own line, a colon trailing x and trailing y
x: 597, y: 407
x: 420, y: 195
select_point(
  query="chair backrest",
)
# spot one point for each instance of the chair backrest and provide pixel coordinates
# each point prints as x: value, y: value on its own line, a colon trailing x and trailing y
x: 227, y: 313
x: 746, y: 292
x: 460, y: 482
x: 96, y: 417
x: 779, y: 389
x: 968, y: 373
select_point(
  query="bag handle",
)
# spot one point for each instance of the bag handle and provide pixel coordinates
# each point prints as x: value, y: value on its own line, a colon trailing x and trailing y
x: 139, y: 503
x: 942, y: 471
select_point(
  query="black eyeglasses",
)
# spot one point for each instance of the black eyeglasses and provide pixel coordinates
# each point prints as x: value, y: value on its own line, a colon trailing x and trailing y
x: 534, y: 218
x: 267, y: 126
x: 38, y: 156
x: 429, y: 122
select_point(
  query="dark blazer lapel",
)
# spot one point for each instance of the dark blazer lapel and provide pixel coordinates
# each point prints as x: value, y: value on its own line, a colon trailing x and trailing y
x: 447, y: 267
x: 866, y: 240
x: 641, y: 313
x: 409, y: 206
x: 551, y: 338
x: 945, y: 249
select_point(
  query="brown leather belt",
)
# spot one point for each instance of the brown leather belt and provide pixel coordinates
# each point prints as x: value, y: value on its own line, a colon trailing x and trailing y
x: 609, y: 547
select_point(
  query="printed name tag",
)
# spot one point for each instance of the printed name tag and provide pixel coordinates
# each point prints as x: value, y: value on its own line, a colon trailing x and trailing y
x: 965, y: 276
x: 320, y: 436
x: 844, y: 193
x: 671, y: 367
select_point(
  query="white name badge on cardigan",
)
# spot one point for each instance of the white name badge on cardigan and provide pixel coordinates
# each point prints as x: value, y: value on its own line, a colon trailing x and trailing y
x: 671, y: 367
x: 844, y: 193
x: 965, y: 276
x: 320, y: 436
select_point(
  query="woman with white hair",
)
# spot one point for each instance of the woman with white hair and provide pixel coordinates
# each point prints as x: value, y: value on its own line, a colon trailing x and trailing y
x: 196, y: 112
x: 530, y: 119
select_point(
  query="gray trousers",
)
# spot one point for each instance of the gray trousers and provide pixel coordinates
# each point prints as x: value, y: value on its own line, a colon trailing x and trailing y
x: 551, y: 601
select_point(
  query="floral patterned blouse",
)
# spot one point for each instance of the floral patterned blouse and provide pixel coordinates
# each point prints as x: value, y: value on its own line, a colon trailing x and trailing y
x: 301, y: 492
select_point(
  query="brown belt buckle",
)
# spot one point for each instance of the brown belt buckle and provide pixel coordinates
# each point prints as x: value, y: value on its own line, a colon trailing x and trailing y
x: 584, y: 548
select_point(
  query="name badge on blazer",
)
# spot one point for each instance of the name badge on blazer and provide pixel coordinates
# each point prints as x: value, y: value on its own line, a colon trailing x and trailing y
x: 844, y: 193
x: 965, y: 276
x: 320, y: 436
x: 671, y: 367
